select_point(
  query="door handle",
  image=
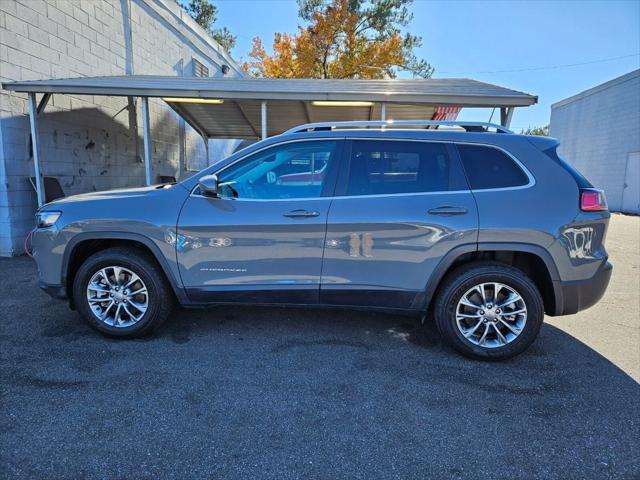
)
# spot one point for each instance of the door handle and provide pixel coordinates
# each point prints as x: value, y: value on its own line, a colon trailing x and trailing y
x: 447, y: 210
x: 301, y: 213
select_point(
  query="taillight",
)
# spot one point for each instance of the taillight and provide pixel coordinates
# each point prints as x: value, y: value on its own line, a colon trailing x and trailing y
x: 592, y: 200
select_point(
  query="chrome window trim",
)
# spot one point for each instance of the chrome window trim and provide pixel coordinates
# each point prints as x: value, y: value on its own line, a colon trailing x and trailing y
x: 295, y: 140
x: 299, y: 199
x: 410, y: 194
x: 530, y: 177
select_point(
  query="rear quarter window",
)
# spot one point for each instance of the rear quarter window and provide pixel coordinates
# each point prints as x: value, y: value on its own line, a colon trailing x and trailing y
x: 488, y: 167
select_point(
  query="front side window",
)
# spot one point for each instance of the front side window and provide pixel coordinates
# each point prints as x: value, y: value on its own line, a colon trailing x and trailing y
x: 389, y: 167
x: 488, y: 167
x: 293, y: 170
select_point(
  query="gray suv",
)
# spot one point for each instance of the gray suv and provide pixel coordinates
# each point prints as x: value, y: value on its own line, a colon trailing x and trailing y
x: 479, y: 228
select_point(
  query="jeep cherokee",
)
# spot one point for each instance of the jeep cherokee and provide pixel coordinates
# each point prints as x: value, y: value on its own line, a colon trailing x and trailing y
x: 479, y: 228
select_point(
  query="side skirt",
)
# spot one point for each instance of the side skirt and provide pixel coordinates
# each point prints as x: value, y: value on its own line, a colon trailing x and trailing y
x: 392, y: 301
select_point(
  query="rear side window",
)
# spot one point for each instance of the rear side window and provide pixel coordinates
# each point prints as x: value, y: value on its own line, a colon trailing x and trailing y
x: 388, y: 167
x: 488, y: 167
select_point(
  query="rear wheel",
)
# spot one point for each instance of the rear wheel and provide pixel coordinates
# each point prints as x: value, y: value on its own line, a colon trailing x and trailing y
x: 122, y: 293
x: 489, y: 311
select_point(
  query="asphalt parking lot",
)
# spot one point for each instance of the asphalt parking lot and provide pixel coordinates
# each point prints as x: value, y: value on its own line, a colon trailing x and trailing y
x: 282, y: 393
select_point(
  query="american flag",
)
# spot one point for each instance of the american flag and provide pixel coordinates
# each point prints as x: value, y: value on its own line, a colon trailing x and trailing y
x: 446, y: 113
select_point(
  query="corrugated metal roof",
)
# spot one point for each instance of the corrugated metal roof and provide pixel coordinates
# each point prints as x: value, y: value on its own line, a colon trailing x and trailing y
x: 446, y: 91
x: 289, y: 100
x: 242, y: 118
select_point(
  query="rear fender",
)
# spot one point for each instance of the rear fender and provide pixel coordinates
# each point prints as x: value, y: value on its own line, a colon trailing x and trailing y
x: 423, y: 300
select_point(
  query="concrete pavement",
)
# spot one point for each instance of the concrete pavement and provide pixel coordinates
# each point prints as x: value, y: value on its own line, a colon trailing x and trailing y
x: 239, y: 392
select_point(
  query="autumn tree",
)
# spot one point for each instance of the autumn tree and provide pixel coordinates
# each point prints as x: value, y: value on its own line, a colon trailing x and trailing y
x: 205, y: 14
x: 343, y: 39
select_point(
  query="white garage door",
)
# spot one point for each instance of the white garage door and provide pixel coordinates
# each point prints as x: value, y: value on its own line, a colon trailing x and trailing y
x: 631, y: 192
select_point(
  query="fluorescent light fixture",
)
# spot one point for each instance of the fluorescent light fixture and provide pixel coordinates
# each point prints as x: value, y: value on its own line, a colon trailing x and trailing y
x: 326, y: 103
x: 212, y: 101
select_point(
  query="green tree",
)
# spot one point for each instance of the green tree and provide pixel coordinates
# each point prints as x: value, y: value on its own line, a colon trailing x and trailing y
x: 224, y: 37
x: 540, y: 131
x: 344, y: 39
x: 205, y: 14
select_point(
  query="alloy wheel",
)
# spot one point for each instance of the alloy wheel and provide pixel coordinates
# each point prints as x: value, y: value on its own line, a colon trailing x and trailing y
x: 117, y: 296
x: 491, y: 315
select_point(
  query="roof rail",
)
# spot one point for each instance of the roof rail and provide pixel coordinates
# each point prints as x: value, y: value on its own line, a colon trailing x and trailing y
x: 468, y: 126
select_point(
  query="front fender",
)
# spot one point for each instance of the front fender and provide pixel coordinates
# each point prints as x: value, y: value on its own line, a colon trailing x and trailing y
x: 162, y: 251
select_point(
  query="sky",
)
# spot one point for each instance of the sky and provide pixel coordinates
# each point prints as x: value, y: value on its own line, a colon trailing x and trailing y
x: 508, y: 43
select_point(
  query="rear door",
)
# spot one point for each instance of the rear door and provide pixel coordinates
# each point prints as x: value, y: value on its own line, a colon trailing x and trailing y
x: 400, y: 206
x: 262, y: 240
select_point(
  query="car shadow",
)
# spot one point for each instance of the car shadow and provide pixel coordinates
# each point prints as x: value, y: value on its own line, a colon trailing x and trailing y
x: 554, y: 363
x: 560, y: 397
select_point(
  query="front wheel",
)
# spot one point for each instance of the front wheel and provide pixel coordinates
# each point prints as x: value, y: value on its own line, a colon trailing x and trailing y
x: 122, y: 292
x: 489, y: 311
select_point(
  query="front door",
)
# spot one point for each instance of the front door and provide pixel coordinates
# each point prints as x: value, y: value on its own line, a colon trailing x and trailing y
x: 262, y: 239
x: 400, y: 206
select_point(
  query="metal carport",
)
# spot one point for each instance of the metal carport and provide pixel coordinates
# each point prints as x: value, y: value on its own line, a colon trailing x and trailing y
x: 256, y: 108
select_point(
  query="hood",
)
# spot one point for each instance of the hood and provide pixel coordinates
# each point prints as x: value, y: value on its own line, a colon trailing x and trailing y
x: 113, y: 194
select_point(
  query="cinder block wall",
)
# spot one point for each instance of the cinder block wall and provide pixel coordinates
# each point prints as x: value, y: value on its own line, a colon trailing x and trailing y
x: 91, y: 142
x: 597, y: 129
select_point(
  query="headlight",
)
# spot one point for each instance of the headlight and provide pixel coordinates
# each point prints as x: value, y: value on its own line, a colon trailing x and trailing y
x: 47, y: 219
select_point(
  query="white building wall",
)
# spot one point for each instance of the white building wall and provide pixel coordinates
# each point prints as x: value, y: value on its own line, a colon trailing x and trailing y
x: 598, y: 129
x: 89, y: 142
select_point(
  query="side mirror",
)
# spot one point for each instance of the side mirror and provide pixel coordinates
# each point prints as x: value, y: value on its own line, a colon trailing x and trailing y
x: 209, y: 185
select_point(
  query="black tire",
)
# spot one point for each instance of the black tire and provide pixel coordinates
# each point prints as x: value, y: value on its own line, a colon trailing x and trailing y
x: 465, y: 278
x: 160, y: 295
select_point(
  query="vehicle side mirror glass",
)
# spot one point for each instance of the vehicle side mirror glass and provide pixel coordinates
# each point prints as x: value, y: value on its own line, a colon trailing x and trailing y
x: 209, y: 185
